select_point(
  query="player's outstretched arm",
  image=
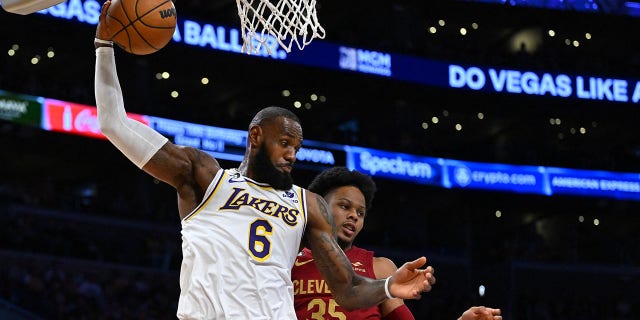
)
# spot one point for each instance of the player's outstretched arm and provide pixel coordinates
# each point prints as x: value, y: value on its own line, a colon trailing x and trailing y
x: 350, y: 290
x: 189, y: 170
x: 481, y: 313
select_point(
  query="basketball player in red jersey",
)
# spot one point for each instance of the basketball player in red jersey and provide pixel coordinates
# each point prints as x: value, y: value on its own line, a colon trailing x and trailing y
x: 350, y: 194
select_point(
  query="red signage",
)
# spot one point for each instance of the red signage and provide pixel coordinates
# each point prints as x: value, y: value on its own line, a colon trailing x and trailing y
x: 68, y: 117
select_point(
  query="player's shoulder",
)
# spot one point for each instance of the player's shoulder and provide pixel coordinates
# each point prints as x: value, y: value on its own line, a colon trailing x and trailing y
x: 304, y: 255
x: 198, y: 157
x: 309, y: 193
x: 314, y: 200
x: 383, y: 267
x: 384, y: 262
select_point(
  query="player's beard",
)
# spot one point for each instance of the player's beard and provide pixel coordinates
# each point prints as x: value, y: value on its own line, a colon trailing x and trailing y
x: 344, y: 244
x: 266, y: 172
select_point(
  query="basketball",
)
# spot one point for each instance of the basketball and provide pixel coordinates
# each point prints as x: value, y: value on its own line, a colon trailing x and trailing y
x: 141, y: 26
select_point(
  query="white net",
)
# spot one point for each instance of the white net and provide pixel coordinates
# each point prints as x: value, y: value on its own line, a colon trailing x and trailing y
x: 265, y: 23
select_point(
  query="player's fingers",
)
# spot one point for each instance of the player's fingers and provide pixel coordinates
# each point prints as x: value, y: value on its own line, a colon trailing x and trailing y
x: 417, y: 295
x: 105, y: 7
x: 426, y: 285
x: 490, y: 311
x: 431, y: 270
x: 102, y: 31
x: 431, y: 278
x: 428, y: 275
x: 415, y: 264
x: 103, y: 12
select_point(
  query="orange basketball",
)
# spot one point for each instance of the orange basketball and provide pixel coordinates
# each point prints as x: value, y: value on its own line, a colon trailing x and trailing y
x: 141, y: 26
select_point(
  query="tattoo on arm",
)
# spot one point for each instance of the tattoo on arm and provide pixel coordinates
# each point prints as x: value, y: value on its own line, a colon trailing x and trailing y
x: 324, y: 244
x: 334, y: 265
x: 327, y: 215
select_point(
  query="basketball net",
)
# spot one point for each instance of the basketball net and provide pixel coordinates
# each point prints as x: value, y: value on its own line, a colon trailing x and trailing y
x: 268, y: 24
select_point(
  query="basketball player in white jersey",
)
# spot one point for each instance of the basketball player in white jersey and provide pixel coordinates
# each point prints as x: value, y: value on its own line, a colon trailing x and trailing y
x: 242, y: 228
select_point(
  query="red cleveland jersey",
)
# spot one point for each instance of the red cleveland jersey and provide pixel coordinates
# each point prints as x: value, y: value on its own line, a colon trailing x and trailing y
x: 313, y: 299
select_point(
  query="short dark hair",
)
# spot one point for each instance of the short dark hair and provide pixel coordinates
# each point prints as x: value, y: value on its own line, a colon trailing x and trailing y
x: 336, y: 177
x: 270, y: 113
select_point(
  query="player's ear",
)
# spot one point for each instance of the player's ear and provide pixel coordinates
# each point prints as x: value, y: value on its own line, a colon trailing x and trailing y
x: 255, y: 136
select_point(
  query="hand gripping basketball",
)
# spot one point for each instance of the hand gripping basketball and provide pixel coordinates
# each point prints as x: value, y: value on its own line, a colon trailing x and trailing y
x: 103, y: 34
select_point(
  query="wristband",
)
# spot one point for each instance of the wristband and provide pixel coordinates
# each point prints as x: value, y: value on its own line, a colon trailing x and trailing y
x: 386, y: 288
x: 107, y: 42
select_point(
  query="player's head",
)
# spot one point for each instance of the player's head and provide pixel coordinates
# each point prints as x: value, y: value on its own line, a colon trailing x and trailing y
x: 275, y: 136
x: 349, y: 194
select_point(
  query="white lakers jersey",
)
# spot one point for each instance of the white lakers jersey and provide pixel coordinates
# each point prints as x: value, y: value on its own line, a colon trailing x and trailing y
x: 238, y: 248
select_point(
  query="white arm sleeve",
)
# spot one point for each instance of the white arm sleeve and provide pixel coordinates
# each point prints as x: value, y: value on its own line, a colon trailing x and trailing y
x: 137, y: 141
